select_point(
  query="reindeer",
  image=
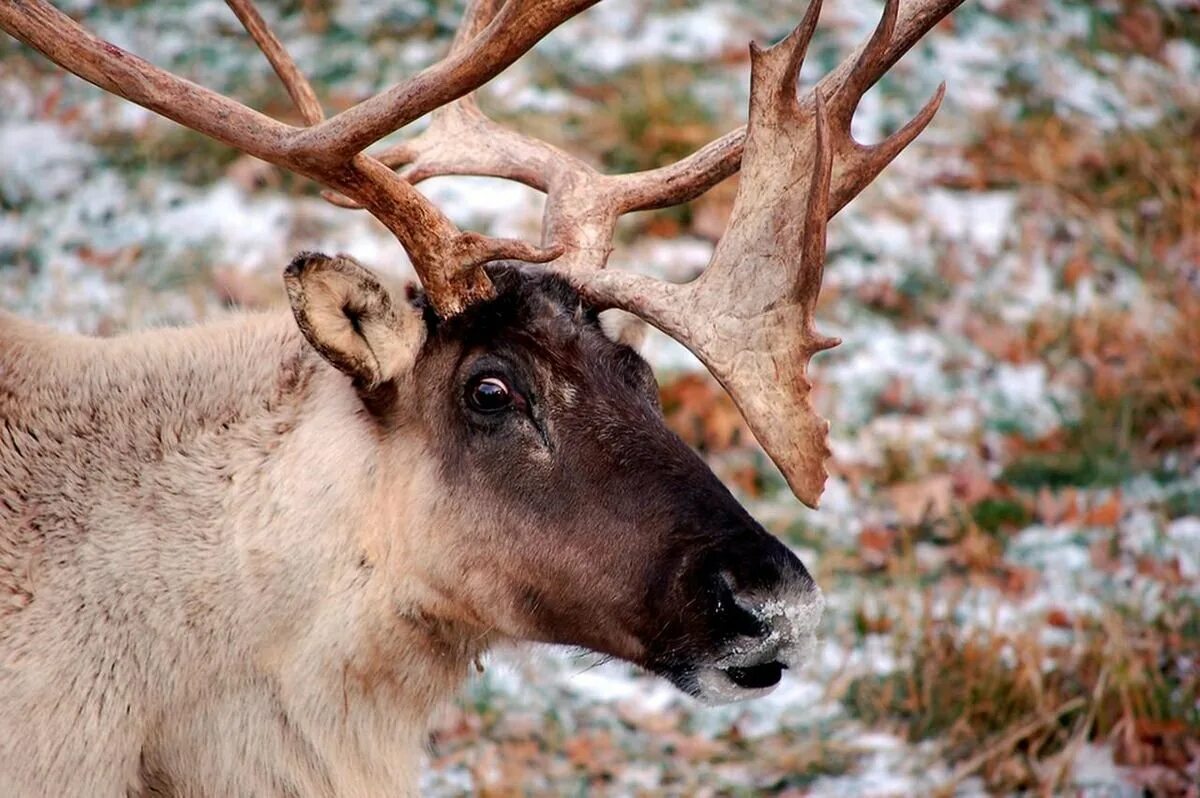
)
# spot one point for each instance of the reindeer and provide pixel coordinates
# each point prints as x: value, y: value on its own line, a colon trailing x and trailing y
x: 252, y: 557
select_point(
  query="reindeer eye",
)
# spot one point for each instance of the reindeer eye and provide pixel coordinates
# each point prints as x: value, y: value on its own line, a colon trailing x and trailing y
x: 489, y: 395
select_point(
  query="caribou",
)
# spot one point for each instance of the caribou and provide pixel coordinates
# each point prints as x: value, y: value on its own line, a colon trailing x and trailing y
x: 252, y: 557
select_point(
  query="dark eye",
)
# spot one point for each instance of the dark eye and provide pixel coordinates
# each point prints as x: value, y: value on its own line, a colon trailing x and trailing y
x: 489, y: 395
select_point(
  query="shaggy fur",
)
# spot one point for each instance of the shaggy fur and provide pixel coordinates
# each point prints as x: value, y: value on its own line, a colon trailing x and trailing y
x: 191, y: 579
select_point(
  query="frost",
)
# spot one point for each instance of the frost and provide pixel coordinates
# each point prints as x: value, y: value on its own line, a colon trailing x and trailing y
x: 1184, y: 533
x: 614, y: 36
x: 1020, y: 396
x: 42, y: 162
x: 980, y: 220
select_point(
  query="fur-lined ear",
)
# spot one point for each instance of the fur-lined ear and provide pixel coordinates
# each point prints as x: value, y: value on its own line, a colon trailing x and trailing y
x: 624, y: 328
x: 349, y: 318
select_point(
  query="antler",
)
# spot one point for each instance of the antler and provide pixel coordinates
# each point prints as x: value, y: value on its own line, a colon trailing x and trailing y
x: 748, y: 317
x: 328, y: 150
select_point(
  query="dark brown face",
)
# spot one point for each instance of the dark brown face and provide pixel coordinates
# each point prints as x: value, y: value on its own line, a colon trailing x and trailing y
x: 584, y: 520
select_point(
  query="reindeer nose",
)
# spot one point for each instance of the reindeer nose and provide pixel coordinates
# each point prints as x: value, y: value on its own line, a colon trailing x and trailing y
x: 763, y: 566
x: 752, y: 576
x: 737, y: 612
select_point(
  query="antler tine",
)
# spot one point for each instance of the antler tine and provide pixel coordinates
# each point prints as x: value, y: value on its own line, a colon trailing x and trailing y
x: 477, y: 16
x: 298, y: 87
x: 516, y: 27
x: 858, y: 164
x: 811, y: 266
x: 900, y: 28
x: 462, y: 140
x: 63, y: 41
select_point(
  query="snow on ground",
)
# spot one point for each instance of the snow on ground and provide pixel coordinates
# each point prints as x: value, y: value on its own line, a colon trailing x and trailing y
x: 98, y: 233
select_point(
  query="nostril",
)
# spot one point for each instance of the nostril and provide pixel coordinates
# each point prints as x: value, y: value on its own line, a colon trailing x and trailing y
x: 740, y: 620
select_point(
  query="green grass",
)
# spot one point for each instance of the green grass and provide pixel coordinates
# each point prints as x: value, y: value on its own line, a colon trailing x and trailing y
x: 993, y: 515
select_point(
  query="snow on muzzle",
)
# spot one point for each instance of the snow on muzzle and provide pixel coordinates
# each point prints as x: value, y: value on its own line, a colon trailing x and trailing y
x: 752, y: 665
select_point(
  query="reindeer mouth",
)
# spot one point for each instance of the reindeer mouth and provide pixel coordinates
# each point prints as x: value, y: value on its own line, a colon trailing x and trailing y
x: 756, y: 677
x: 716, y: 685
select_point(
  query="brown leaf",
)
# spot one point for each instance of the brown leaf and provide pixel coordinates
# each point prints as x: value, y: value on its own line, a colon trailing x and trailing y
x: 698, y: 410
x: 876, y: 545
x: 972, y: 485
x: 1017, y: 580
x: 922, y: 500
x: 1106, y: 514
x: 591, y: 751
x: 977, y: 551
x: 1058, y: 618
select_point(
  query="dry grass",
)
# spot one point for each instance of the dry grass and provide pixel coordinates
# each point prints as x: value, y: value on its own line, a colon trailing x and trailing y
x: 1140, y: 184
x: 1118, y: 680
x: 1139, y: 384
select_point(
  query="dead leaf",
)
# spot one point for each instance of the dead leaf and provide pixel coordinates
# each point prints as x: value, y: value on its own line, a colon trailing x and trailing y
x: 1059, y: 618
x: 698, y: 410
x: 922, y: 500
x: 876, y: 546
x: 1106, y: 514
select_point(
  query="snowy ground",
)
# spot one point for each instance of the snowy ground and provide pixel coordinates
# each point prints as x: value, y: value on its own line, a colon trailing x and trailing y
x: 1014, y: 405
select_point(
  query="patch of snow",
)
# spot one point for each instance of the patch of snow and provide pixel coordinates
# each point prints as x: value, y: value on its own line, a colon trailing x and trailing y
x: 982, y: 220
x: 615, y: 35
x: 43, y: 162
x: 1184, y: 533
x: 1094, y: 768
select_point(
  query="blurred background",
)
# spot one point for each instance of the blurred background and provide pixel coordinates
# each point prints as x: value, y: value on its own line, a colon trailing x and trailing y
x: 1010, y: 539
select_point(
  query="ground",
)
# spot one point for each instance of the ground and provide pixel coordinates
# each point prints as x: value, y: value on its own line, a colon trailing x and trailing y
x: 1010, y: 540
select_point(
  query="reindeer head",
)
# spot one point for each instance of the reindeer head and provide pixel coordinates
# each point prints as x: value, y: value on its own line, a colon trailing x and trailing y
x: 559, y: 507
x: 579, y: 518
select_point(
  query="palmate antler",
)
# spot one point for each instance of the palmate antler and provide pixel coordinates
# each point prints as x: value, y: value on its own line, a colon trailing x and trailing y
x: 748, y: 317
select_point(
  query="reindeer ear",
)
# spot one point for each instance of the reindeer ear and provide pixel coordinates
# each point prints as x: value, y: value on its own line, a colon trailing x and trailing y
x: 349, y: 318
x: 624, y: 328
